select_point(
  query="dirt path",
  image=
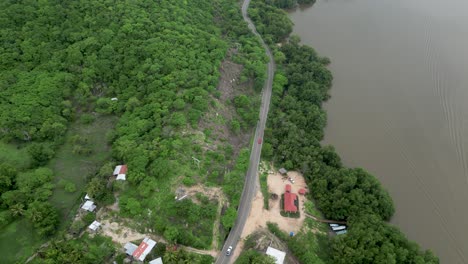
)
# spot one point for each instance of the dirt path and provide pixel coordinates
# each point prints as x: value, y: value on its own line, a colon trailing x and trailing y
x: 213, y: 253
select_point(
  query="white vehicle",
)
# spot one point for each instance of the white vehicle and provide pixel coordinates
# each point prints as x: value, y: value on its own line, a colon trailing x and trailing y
x: 334, y: 225
x: 291, y: 180
x: 228, y: 251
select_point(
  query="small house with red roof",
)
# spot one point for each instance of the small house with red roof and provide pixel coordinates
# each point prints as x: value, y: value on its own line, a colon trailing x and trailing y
x: 302, y: 191
x: 144, y: 249
x: 120, y: 172
x: 290, y: 200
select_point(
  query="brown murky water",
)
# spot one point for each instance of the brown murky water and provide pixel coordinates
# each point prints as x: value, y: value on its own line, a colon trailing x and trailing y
x: 399, y: 106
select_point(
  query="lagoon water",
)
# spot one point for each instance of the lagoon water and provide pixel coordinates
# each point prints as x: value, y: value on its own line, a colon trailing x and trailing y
x: 399, y: 106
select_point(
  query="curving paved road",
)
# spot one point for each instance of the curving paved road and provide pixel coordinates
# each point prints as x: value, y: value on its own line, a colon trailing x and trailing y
x: 251, y: 180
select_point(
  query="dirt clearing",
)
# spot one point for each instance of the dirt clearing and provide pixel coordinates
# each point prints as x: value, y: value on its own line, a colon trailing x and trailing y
x: 259, y: 216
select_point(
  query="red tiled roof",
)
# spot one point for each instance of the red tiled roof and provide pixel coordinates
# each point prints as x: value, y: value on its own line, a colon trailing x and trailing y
x: 288, y: 188
x: 141, y: 248
x: 289, y: 205
x: 302, y: 191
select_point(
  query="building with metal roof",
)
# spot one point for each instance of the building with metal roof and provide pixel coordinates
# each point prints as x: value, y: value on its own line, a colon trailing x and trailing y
x: 144, y: 249
x: 120, y: 172
x: 130, y: 248
x: 156, y: 261
x: 278, y: 255
x: 89, y: 206
x: 94, y: 225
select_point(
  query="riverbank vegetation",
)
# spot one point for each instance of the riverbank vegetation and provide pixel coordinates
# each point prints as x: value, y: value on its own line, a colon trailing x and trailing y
x: 295, y: 130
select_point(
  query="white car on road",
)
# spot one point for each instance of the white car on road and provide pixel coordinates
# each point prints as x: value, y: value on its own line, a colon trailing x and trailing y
x: 228, y: 251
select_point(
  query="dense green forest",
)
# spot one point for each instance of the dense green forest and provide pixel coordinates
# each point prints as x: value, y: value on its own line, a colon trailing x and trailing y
x: 148, y: 71
x: 154, y: 65
x: 292, y: 139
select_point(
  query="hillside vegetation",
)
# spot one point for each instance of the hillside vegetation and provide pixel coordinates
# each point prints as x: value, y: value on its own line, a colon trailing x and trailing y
x: 155, y: 67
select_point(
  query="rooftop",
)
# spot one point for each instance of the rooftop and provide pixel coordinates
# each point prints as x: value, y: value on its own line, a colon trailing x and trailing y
x: 94, y: 225
x: 289, y: 202
x: 156, y: 261
x: 130, y: 248
x: 278, y: 255
x: 144, y: 249
x: 88, y: 206
x: 120, y: 171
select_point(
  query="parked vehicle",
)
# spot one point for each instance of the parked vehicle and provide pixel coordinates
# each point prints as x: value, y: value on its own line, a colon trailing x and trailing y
x: 334, y: 225
x: 259, y: 140
x: 291, y: 180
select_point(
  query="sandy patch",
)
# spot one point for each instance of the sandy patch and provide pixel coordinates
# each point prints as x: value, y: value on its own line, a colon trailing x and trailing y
x: 259, y: 216
x: 119, y: 233
x: 213, y: 193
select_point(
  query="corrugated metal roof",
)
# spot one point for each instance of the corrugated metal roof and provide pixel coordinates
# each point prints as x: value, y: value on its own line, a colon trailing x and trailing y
x: 130, y: 248
x: 94, y: 225
x: 156, y: 261
x: 144, y: 249
x: 278, y: 255
x: 117, y: 169
x: 88, y: 206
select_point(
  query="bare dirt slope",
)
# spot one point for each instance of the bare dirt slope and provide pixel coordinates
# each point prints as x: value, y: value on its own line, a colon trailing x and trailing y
x: 222, y: 111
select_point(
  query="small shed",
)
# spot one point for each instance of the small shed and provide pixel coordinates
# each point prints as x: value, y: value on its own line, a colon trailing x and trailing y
x: 89, y: 206
x: 120, y: 172
x: 130, y: 248
x: 94, y: 225
x: 87, y: 197
x: 283, y: 171
x: 302, y: 191
x: 278, y: 255
x: 156, y: 261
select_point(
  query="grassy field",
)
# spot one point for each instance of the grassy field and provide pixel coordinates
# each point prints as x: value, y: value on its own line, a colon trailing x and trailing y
x: 18, y: 241
x: 10, y: 154
x: 264, y: 188
x: 75, y: 168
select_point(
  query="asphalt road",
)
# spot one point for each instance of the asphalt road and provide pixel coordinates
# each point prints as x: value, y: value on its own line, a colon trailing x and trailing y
x: 251, y: 180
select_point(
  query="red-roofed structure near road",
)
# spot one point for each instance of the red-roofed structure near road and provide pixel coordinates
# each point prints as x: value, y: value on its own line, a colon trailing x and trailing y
x: 144, y: 249
x: 290, y: 200
x: 302, y: 191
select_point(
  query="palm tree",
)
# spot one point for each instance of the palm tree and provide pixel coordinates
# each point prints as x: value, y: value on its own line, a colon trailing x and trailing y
x: 17, y: 210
